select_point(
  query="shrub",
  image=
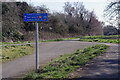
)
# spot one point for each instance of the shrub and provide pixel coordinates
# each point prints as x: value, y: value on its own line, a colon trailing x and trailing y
x: 4, y: 8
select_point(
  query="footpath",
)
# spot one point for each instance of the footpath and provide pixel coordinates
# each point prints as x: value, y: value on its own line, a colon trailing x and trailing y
x: 105, y: 66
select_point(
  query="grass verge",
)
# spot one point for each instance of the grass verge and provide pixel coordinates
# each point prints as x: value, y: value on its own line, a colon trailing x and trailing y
x: 103, y: 39
x: 65, y: 64
x: 11, y: 52
x: 2, y: 43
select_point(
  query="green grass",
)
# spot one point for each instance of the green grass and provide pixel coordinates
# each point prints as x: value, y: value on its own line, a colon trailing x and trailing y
x: 103, y: 39
x: 2, y: 43
x: 12, y: 52
x: 65, y: 64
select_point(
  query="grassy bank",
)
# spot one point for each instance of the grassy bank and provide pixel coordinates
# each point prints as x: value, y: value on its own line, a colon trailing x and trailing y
x: 103, y: 39
x: 11, y: 52
x: 2, y: 43
x: 65, y: 64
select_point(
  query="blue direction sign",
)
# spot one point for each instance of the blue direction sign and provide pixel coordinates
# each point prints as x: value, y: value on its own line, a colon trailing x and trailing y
x: 35, y: 17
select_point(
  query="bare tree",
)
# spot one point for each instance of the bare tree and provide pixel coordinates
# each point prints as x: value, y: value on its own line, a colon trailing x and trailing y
x: 80, y: 20
x: 42, y: 9
x: 112, y: 12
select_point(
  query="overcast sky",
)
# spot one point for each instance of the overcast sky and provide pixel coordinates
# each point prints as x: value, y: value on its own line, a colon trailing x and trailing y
x: 57, y: 5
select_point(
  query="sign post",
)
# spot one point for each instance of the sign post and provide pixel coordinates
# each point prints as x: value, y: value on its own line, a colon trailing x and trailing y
x: 36, y: 17
x: 37, y: 55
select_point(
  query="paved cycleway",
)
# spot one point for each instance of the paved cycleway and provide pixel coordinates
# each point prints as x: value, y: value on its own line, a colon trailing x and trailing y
x: 104, y: 66
x: 47, y: 51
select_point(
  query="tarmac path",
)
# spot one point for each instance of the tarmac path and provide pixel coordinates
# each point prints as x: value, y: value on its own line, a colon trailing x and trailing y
x: 47, y: 51
x: 103, y: 67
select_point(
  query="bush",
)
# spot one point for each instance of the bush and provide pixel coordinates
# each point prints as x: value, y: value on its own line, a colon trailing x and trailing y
x: 14, y: 35
x: 4, y: 8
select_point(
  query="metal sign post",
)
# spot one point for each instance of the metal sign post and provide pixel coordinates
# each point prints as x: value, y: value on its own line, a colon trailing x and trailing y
x: 37, y: 55
x: 35, y: 17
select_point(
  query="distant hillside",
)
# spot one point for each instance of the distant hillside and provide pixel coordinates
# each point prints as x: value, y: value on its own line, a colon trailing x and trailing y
x: 58, y: 26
